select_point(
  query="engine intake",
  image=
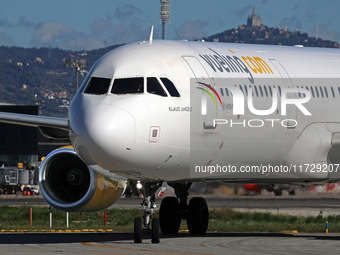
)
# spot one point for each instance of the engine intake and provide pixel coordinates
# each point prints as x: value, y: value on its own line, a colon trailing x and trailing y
x: 68, y: 184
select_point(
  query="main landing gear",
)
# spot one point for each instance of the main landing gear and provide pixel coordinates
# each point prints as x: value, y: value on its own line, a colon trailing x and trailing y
x: 172, y: 211
x: 175, y: 209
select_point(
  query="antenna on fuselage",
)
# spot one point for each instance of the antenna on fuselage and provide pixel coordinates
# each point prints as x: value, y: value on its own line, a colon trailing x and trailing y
x: 151, y: 36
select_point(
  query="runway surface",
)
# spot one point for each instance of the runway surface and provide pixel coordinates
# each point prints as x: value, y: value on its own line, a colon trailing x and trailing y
x: 212, y: 243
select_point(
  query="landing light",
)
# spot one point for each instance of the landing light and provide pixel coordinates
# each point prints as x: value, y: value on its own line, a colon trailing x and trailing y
x: 139, y: 185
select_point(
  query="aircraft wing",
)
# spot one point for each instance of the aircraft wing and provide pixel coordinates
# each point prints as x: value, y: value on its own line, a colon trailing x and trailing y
x: 50, y: 127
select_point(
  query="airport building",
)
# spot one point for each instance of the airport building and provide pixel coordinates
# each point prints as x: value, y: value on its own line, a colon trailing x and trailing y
x: 18, y: 144
x: 22, y: 144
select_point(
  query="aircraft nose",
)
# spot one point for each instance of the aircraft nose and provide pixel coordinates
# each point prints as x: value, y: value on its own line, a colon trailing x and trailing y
x: 105, y: 132
x: 112, y: 124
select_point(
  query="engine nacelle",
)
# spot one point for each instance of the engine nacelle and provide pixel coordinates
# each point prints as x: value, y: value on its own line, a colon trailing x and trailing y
x: 68, y: 184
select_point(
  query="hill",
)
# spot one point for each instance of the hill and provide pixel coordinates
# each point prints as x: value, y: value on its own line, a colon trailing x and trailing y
x: 29, y: 76
x: 274, y: 36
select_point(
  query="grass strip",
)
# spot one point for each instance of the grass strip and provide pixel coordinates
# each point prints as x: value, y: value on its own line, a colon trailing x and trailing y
x: 121, y: 220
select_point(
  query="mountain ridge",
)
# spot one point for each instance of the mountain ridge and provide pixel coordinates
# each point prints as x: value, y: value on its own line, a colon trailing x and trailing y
x: 40, y: 76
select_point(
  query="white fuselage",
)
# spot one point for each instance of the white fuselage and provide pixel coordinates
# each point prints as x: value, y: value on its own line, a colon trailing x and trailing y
x: 153, y: 134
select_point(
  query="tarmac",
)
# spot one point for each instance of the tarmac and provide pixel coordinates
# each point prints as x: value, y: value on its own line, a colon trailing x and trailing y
x: 211, y: 243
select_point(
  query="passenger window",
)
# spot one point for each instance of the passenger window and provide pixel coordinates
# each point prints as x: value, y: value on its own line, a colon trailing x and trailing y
x: 128, y: 86
x: 333, y: 92
x: 270, y: 90
x: 222, y: 92
x: 154, y: 87
x: 241, y: 89
x: 170, y: 87
x: 317, y: 91
x: 279, y: 90
x: 261, y: 92
x: 299, y: 94
x: 227, y: 92
x: 265, y: 90
x: 246, y: 90
x: 97, y: 86
x: 257, y: 93
x: 311, y: 89
x: 339, y: 90
x: 253, y: 93
x: 326, y: 92
x: 321, y: 91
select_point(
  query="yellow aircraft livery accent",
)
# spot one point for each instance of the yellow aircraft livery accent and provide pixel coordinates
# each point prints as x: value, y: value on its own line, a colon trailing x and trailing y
x: 107, y: 192
x: 257, y: 64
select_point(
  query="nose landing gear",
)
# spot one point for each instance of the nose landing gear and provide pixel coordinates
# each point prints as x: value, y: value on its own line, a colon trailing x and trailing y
x: 172, y: 211
x: 148, y: 206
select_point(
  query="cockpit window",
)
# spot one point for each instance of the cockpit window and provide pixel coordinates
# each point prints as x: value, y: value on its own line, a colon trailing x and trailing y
x: 170, y: 87
x: 97, y: 86
x: 128, y: 85
x: 154, y: 87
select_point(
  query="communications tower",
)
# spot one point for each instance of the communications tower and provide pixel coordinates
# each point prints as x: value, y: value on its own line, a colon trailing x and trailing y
x: 165, y: 14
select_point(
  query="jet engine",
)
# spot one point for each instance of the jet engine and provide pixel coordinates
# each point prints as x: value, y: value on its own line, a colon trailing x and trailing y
x: 70, y: 185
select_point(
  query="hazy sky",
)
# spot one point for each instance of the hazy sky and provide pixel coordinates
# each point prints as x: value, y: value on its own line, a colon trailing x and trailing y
x: 85, y: 24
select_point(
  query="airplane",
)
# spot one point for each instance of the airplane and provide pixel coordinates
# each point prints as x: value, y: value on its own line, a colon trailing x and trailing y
x: 161, y: 112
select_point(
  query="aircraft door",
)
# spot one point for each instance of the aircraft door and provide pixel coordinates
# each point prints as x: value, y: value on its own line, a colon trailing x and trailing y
x: 204, y: 83
x: 290, y: 135
x: 287, y: 82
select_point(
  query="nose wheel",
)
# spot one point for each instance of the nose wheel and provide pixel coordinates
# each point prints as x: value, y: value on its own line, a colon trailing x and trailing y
x: 146, y: 224
x: 155, y: 230
x: 137, y: 230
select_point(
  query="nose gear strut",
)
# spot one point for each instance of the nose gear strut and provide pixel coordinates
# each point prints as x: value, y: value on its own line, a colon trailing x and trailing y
x: 148, y: 206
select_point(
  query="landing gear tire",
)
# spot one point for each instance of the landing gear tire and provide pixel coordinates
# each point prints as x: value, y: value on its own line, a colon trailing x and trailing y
x: 138, y: 231
x: 292, y: 192
x: 278, y: 192
x: 169, y: 217
x: 155, y: 230
x: 197, y: 216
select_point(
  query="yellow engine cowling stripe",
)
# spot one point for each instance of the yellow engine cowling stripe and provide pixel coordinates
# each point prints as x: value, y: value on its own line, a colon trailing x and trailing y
x: 108, y: 191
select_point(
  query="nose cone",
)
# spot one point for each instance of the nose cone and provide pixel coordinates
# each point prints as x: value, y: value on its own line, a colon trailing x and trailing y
x: 103, y: 134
